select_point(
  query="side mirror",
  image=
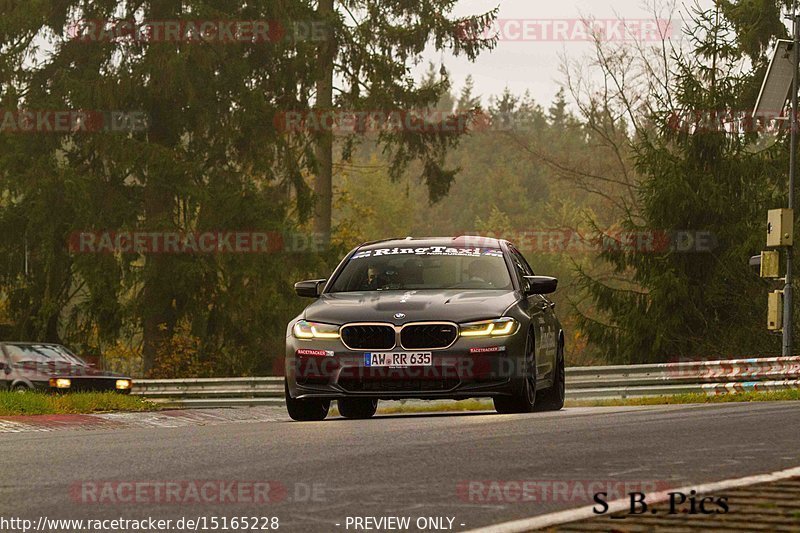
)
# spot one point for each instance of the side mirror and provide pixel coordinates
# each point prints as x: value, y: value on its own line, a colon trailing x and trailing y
x: 310, y: 288
x: 541, y: 284
x: 6, y: 367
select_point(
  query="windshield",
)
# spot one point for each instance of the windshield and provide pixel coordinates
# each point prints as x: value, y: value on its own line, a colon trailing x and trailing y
x: 434, y: 267
x: 42, y: 353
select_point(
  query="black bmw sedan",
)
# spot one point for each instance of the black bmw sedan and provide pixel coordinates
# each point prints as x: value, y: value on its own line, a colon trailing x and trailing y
x: 429, y: 318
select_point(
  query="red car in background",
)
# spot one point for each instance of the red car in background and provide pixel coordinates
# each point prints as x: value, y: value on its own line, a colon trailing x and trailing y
x: 28, y: 366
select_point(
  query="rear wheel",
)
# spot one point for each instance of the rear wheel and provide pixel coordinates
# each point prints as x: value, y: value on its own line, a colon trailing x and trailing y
x: 357, y: 407
x: 523, y: 401
x: 305, y: 410
x: 552, y: 399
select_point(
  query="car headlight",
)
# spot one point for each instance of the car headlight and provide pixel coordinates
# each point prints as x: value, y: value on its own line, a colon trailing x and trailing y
x: 315, y: 330
x: 499, y: 327
x: 60, y: 383
x: 123, y: 384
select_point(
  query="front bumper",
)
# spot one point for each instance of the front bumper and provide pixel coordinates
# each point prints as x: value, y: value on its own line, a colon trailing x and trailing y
x: 469, y: 368
x: 88, y: 384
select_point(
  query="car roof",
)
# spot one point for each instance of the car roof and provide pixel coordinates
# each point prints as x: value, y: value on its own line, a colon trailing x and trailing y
x: 31, y: 343
x: 469, y: 241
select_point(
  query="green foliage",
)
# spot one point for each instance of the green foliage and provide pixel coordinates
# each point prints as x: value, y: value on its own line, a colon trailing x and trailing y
x: 757, y: 23
x: 377, y: 45
x: 37, y: 403
x: 206, y: 162
x: 493, y: 176
x: 504, y: 190
x: 657, y: 306
x: 210, y: 159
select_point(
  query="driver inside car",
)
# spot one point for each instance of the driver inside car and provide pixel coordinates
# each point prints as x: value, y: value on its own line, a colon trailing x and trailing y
x: 480, y: 271
x: 381, y: 278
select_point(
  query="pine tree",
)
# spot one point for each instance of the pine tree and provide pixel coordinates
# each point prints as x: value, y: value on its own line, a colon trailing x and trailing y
x: 209, y: 159
x: 370, y: 50
x: 701, y: 180
x: 466, y: 100
x: 557, y: 113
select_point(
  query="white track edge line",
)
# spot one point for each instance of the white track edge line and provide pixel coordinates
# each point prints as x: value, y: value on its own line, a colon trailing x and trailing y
x: 581, y: 513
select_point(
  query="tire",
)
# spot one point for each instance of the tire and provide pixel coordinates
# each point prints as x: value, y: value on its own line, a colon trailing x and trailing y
x: 357, y: 407
x: 305, y: 410
x: 21, y: 388
x: 524, y: 401
x: 552, y: 399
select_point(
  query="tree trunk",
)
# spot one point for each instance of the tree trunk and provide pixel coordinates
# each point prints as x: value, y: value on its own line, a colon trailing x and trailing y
x: 158, y: 319
x: 158, y: 310
x: 323, y: 185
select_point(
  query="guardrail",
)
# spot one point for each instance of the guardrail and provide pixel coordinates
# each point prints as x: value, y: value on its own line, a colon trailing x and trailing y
x: 212, y: 392
x: 583, y: 383
x: 659, y: 379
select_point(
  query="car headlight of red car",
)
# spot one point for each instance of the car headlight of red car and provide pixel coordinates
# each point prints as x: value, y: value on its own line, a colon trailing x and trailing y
x: 60, y: 383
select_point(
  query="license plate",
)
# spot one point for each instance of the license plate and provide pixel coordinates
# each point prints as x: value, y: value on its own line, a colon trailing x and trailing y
x: 398, y: 359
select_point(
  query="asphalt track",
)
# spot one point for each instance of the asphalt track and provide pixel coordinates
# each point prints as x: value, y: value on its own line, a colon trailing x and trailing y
x: 403, y: 465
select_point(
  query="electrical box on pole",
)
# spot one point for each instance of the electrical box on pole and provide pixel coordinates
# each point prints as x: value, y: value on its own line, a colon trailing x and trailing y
x: 769, y: 264
x: 780, y: 227
x: 775, y: 311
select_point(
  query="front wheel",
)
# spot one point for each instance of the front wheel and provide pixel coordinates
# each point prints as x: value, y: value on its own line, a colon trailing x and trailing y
x: 357, y: 407
x: 305, y: 410
x: 523, y: 401
x: 21, y: 388
x: 552, y: 399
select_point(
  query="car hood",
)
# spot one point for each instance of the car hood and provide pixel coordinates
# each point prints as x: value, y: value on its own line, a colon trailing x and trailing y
x: 95, y: 373
x: 68, y: 369
x: 380, y: 306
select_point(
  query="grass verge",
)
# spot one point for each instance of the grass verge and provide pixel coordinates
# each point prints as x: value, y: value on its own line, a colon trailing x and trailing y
x: 38, y: 403
x: 696, y: 397
x: 486, y: 405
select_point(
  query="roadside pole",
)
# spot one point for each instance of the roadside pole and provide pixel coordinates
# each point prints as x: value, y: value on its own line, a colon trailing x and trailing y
x: 787, y: 289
